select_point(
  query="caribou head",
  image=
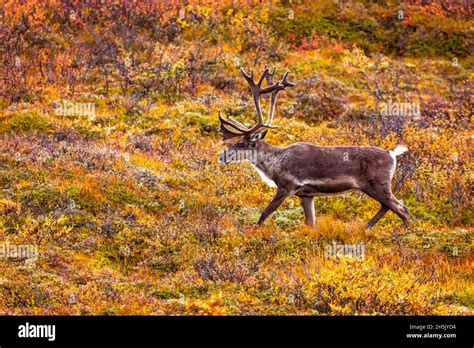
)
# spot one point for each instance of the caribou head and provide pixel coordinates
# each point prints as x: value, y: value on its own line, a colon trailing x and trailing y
x: 246, y: 146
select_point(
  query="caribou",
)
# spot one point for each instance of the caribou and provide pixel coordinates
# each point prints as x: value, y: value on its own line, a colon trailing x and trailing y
x: 308, y: 170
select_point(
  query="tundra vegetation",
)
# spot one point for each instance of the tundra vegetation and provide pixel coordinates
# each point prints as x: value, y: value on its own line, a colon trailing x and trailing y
x: 109, y: 137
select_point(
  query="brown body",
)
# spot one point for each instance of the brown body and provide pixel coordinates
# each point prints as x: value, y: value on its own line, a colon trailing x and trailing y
x: 306, y: 170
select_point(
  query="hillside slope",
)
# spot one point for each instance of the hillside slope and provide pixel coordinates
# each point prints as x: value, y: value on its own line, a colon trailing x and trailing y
x: 108, y: 158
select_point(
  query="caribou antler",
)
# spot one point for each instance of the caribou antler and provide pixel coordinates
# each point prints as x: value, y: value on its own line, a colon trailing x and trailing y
x: 231, y: 128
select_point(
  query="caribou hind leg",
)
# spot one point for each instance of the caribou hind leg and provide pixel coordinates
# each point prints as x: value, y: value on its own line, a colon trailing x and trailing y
x: 377, y: 217
x: 399, y: 209
x: 385, y: 197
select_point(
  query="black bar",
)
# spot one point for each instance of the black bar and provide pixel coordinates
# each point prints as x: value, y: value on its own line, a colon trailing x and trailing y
x: 140, y: 330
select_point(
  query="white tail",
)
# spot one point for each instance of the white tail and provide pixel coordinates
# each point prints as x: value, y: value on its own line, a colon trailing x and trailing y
x: 398, y: 150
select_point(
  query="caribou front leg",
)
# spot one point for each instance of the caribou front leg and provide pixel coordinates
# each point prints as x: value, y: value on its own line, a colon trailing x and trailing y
x: 280, y: 196
x: 308, y: 206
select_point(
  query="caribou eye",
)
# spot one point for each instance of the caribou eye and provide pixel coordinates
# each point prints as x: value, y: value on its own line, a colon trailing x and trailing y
x: 240, y: 144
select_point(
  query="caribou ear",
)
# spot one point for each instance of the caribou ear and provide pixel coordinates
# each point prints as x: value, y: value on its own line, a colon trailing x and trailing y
x: 258, y: 136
